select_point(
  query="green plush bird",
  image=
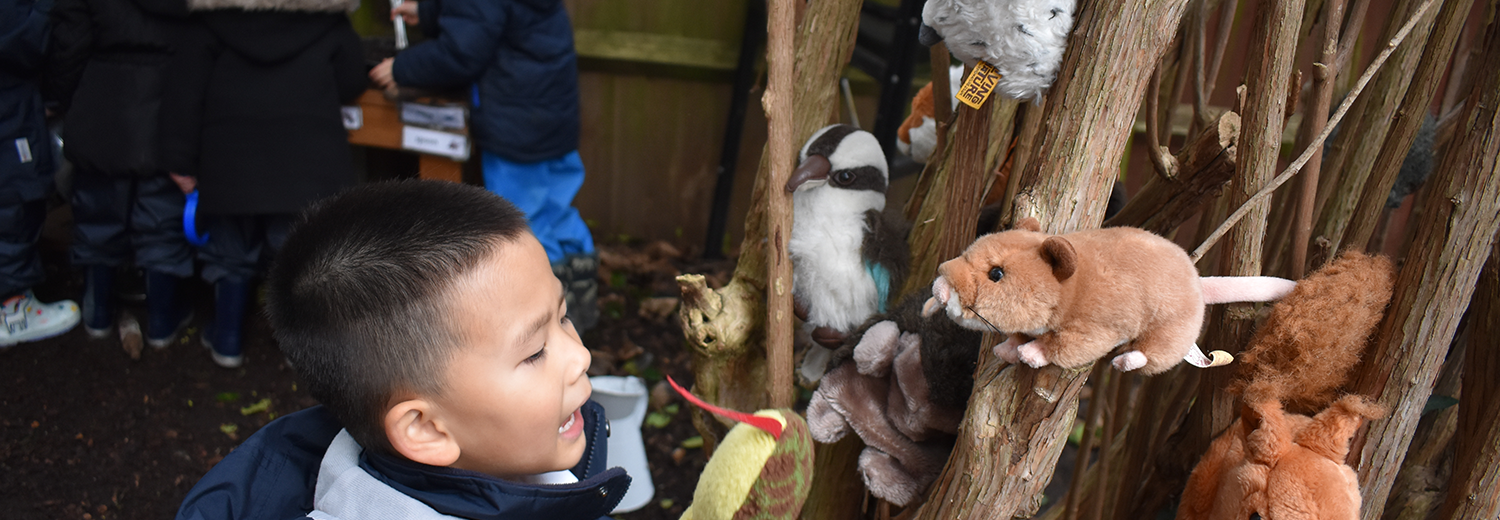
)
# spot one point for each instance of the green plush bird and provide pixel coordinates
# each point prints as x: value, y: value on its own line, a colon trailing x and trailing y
x: 762, y: 469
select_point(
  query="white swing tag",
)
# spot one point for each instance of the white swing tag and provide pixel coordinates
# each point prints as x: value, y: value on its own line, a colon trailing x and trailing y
x: 23, y: 149
x: 354, y: 117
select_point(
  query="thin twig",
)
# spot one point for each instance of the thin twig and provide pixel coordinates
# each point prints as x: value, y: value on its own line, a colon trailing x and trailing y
x: 1166, y: 165
x: 1352, y: 28
x: 1226, y: 26
x: 1200, y: 47
x: 1317, y: 143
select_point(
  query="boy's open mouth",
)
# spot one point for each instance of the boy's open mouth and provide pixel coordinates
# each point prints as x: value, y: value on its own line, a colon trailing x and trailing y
x: 574, y: 422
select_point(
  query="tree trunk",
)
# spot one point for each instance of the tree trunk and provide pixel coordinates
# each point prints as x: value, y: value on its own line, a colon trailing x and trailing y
x: 1435, y: 284
x: 1474, y: 488
x: 1407, y: 120
x: 777, y: 101
x: 1272, y: 51
x: 1364, y: 135
x: 1205, y: 167
x: 949, y: 192
x: 725, y: 328
x: 1018, y: 418
x: 1418, y: 489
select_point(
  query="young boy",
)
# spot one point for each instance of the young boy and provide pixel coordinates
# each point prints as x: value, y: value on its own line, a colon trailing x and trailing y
x: 426, y: 319
x: 516, y: 59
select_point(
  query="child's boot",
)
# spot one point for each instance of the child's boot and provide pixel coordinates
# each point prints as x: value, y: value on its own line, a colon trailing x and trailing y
x: 223, y: 339
x: 23, y: 318
x: 582, y: 286
x: 98, y: 301
x: 166, y: 316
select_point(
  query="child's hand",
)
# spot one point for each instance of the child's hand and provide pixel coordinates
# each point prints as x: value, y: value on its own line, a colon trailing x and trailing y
x: 407, y: 11
x: 381, y: 74
x: 186, y: 183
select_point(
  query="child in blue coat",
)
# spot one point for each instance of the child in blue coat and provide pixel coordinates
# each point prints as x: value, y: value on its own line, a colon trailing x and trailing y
x: 423, y: 316
x: 26, y: 168
x: 516, y: 58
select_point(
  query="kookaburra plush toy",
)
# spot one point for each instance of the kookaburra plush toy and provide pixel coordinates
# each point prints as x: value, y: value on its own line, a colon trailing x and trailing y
x: 1023, y: 39
x: 762, y: 469
x: 846, y: 253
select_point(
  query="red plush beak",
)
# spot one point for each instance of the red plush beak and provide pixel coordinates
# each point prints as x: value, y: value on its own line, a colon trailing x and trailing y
x: 769, y: 425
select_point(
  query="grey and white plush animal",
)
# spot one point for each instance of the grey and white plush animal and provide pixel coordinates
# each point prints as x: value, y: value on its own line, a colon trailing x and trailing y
x: 1023, y: 39
x: 847, y: 255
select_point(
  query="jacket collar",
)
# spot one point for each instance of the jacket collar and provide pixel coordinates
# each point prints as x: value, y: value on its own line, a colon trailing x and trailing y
x: 478, y: 496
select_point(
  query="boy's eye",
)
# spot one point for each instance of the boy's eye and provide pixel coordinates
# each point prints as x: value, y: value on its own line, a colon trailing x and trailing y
x: 537, y: 356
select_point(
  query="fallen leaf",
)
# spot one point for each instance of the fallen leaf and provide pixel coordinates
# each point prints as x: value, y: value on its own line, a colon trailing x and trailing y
x: 259, y: 406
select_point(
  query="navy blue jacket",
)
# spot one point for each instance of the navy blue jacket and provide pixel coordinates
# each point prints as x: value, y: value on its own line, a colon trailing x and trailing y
x: 274, y: 473
x: 518, y: 56
x: 26, y: 161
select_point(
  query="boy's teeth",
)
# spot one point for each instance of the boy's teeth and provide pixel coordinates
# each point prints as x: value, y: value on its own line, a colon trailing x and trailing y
x: 567, y: 425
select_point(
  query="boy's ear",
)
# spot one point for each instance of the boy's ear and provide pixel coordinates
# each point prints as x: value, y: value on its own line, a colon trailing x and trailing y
x: 416, y: 432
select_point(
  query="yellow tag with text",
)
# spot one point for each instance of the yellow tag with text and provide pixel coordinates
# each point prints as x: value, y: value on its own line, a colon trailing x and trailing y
x: 979, y: 84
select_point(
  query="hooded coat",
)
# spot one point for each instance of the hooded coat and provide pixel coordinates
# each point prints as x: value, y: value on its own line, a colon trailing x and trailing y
x: 107, y: 60
x: 252, y: 107
x: 26, y: 163
x: 518, y: 56
x: 279, y: 473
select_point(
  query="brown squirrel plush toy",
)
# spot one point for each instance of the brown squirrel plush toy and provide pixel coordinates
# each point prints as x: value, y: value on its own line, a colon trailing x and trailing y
x: 1275, y: 461
x: 1082, y: 294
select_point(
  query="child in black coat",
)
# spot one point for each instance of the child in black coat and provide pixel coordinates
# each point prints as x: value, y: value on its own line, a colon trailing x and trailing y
x: 252, y: 120
x: 106, y: 71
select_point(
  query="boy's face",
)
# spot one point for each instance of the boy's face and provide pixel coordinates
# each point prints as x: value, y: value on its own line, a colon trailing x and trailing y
x: 514, y: 387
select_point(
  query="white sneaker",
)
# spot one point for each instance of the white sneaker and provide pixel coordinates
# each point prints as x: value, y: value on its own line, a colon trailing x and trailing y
x: 26, y: 319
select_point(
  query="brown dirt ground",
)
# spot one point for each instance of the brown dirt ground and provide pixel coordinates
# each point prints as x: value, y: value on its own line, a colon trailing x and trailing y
x: 88, y: 433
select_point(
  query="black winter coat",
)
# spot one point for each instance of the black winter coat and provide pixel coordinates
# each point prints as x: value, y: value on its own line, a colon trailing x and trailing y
x: 106, y: 72
x: 26, y: 162
x: 519, y: 57
x: 252, y: 104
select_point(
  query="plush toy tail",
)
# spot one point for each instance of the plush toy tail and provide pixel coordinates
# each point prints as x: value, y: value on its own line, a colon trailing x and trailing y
x: 1229, y: 289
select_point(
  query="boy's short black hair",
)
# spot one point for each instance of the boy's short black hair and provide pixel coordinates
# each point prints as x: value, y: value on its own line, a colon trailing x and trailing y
x: 357, y: 296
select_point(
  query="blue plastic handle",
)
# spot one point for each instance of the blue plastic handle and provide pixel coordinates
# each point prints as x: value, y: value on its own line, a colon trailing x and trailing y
x: 190, y: 221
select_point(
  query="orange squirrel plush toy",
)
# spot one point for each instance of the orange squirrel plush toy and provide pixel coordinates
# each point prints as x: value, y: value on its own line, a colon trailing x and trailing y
x: 1275, y: 461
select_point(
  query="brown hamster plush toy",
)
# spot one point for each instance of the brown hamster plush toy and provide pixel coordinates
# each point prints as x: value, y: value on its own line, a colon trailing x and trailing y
x: 1081, y: 295
x: 1275, y: 461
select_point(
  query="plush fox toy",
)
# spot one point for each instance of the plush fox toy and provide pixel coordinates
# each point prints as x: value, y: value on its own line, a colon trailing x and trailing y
x: 1275, y: 461
x: 762, y: 469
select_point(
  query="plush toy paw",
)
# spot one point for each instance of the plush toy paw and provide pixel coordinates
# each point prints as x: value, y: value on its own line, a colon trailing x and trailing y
x: 824, y: 420
x: 1006, y: 350
x: 1129, y: 361
x: 1032, y: 355
x: 877, y: 348
x: 884, y: 476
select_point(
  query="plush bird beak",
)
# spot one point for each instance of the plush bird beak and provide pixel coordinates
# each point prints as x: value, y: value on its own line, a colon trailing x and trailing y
x: 927, y: 36
x: 816, y: 167
x: 766, y: 424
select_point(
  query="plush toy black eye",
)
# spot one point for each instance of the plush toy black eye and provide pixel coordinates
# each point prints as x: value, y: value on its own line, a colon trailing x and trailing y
x: 996, y: 274
x: 843, y: 177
